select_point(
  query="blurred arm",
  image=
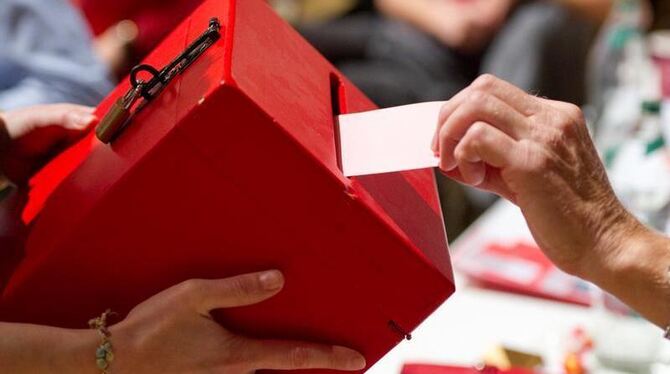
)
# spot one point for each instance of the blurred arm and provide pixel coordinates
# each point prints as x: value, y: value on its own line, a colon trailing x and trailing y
x: 28, y: 349
x: 595, y: 10
x: 46, y: 56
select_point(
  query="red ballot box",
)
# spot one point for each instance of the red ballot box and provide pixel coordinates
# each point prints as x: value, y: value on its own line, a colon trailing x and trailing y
x: 234, y: 169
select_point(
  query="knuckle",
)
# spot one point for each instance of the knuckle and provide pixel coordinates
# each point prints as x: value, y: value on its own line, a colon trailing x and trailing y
x: 239, y: 353
x: 64, y: 117
x: 243, y: 286
x: 559, y: 120
x: 555, y: 138
x: 465, y: 151
x: 566, y: 126
x: 477, y: 98
x: 485, y: 82
x: 460, y: 153
x: 478, y: 131
x: 571, y: 118
x: 574, y: 112
x: 189, y: 288
x: 542, y: 162
x: 300, y: 357
x: 534, y: 159
x: 444, y: 110
x: 444, y: 135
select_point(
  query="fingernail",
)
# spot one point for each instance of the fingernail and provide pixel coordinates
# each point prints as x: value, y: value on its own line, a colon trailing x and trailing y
x: 272, y: 280
x: 82, y: 121
x: 479, y: 178
x: 448, y: 166
x: 351, y: 359
x: 358, y: 362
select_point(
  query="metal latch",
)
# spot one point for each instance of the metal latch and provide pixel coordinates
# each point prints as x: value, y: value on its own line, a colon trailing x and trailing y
x: 121, y: 113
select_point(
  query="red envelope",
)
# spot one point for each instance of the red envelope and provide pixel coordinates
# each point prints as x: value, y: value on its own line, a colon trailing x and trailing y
x: 233, y: 169
x: 439, y: 369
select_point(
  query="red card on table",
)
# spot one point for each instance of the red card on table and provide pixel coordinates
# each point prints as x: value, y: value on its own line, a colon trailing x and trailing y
x: 439, y: 369
x: 233, y: 169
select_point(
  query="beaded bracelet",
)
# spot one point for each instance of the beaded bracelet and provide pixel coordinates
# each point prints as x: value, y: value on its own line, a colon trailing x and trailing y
x: 104, y: 354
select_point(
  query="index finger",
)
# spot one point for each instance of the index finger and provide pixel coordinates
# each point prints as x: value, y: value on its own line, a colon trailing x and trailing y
x: 479, y: 107
x: 513, y: 96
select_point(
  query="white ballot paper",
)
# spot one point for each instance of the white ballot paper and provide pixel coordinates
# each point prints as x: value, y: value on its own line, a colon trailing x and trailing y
x: 388, y: 140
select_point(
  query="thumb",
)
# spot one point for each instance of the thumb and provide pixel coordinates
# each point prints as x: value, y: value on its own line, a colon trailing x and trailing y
x: 79, y: 119
x: 241, y: 290
x: 68, y: 116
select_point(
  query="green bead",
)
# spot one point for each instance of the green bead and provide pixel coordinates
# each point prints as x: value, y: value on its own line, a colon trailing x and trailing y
x: 101, y: 352
x: 102, y: 364
x: 110, y: 356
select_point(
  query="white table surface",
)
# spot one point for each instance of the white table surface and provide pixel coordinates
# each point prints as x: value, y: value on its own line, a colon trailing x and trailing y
x: 474, y: 320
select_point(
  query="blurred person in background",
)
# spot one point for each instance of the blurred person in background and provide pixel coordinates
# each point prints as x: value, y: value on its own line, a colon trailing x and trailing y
x: 401, y: 52
x: 427, y: 50
x: 46, y: 56
x: 127, y: 30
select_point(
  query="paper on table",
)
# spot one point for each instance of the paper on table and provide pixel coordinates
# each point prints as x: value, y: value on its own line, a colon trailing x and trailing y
x: 388, y: 140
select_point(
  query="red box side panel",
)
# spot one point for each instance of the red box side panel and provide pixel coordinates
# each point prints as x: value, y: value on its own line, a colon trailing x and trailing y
x: 288, y: 78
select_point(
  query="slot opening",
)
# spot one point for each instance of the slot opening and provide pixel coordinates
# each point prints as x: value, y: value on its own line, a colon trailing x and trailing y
x: 338, y: 106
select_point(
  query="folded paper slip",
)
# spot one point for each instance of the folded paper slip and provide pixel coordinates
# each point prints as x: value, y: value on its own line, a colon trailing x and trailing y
x: 389, y: 140
x: 233, y: 168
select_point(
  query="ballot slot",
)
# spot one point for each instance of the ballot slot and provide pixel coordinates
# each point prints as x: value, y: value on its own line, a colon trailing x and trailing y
x: 338, y: 107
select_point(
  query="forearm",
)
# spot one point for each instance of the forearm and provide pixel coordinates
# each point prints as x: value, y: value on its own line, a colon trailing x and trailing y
x: 633, y: 264
x: 40, y: 349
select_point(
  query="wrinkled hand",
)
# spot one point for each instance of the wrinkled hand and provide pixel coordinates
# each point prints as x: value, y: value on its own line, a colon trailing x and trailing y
x: 173, y: 332
x: 40, y: 132
x: 538, y: 154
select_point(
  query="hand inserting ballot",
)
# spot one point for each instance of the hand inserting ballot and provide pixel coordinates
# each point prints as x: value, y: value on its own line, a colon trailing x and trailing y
x: 538, y: 154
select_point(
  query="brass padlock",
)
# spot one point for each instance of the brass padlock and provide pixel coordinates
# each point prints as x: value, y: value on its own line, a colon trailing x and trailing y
x: 121, y: 112
x: 118, y: 116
